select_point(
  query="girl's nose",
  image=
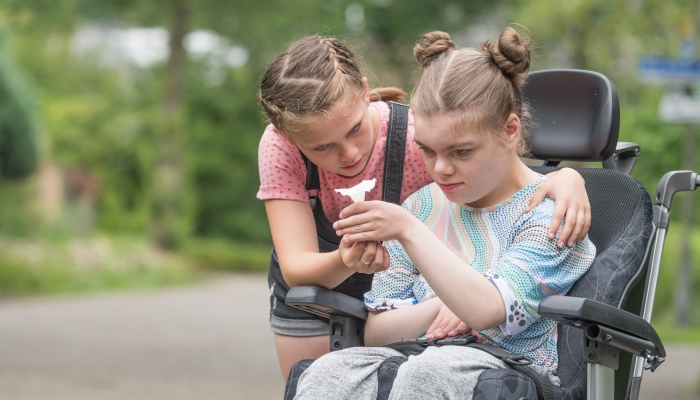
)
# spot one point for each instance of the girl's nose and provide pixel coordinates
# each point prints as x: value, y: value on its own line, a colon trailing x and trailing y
x: 348, y: 153
x: 443, y: 166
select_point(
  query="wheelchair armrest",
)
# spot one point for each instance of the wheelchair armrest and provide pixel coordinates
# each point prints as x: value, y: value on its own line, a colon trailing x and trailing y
x: 606, y: 324
x: 325, y: 302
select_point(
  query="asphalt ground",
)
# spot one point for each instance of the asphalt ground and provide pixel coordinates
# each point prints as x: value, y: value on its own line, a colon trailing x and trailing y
x: 210, y: 341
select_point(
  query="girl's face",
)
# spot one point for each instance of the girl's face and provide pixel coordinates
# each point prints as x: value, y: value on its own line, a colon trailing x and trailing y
x: 341, y: 142
x: 471, y: 167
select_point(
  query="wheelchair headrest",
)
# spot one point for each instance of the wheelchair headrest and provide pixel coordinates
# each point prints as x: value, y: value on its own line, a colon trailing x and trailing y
x: 576, y: 112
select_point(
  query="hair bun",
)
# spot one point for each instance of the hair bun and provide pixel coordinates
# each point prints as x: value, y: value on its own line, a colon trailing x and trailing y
x: 512, y: 55
x: 431, y: 45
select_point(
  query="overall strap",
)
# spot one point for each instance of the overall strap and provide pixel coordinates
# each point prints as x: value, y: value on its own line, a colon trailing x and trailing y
x: 312, y: 180
x: 395, y: 150
x: 514, y: 361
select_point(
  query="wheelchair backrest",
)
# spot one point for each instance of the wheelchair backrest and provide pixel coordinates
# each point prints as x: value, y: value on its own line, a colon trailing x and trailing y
x: 621, y: 228
x: 577, y: 115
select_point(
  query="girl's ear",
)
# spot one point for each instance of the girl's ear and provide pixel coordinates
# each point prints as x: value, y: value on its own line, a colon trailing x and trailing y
x: 365, y: 90
x: 284, y: 135
x: 512, y: 130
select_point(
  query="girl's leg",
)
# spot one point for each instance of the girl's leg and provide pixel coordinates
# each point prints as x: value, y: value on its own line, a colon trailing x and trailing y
x: 292, y: 349
x: 347, y: 374
x: 448, y: 372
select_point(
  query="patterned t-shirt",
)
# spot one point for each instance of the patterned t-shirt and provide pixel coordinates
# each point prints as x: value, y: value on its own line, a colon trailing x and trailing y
x: 510, y: 248
x: 283, y: 172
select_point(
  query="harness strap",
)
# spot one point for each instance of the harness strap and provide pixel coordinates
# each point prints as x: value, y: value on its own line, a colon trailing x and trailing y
x: 395, y: 150
x: 515, y: 361
x: 522, y: 364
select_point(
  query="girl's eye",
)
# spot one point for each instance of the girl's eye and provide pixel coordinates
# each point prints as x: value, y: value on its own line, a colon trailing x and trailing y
x: 355, y: 128
x: 463, y: 152
x: 321, y: 148
x: 425, y: 149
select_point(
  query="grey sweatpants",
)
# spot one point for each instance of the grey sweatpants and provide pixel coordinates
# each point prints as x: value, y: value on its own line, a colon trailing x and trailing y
x: 448, y: 372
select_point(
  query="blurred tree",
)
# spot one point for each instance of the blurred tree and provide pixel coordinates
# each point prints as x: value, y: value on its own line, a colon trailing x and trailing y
x: 18, y: 149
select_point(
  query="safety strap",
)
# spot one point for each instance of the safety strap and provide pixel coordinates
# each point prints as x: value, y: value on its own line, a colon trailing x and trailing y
x: 393, y: 159
x: 522, y: 364
x: 514, y: 361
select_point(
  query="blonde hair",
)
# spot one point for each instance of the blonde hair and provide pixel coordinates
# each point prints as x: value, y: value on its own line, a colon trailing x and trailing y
x: 309, y: 78
x: 480, y: 85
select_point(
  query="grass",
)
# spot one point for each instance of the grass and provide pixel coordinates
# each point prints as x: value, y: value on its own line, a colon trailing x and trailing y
x: 225, y: 255
x: 42, y: 267
x: 669, y: 332
x: 29, y: 267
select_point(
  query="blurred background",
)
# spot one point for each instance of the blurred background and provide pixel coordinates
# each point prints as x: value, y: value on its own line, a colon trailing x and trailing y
x: 128, y: 160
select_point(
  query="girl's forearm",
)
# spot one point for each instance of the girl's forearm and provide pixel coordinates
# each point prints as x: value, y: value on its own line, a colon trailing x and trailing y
x: 391, y: 326
x: 467, y: 293
x: 314, y: 269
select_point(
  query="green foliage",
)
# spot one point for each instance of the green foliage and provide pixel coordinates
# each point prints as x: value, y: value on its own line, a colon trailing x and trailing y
x: 107, y: 121
x: 670, y: 264
x: 16, y: 219
x: 225, y: 255
x: 35, y: 266
x: 18, y: 150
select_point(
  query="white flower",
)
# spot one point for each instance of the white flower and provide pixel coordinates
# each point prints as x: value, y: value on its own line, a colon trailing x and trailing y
x: 357, y: 192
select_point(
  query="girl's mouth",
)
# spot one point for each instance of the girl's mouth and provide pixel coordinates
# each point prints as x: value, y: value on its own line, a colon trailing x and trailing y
x: 448, y: 187
x: 352, y: 166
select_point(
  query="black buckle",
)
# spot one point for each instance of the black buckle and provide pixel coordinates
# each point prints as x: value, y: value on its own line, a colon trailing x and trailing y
x: 517, y: 360
x: 460, y: 340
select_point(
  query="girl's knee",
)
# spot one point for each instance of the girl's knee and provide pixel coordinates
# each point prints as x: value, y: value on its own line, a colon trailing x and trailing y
x: 423, y: 367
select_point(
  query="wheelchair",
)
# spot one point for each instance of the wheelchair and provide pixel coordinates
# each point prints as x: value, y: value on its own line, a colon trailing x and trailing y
x: 605, y: 340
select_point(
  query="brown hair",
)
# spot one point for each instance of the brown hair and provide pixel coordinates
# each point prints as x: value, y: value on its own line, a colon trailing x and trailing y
x: 309, y: 78
x: 481, y: 84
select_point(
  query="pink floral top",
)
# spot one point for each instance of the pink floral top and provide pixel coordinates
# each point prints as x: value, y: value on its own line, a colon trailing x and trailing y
x: 283, y: 172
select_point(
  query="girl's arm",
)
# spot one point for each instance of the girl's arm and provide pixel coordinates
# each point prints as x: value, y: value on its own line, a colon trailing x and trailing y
x: 470, y: 295
x: 294, y: 235
x: 466, y: 292
x: 384, y: 327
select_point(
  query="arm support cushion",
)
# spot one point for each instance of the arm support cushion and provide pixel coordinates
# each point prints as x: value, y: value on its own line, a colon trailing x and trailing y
x: 580, y: 312
x: 325, y: 302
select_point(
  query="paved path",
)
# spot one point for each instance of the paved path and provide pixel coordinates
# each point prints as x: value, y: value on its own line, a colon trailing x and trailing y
x: 210, y: 341
x: 205, y: 342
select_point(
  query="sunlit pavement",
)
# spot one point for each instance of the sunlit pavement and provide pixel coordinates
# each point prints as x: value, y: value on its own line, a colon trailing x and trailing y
x: 210, y: 341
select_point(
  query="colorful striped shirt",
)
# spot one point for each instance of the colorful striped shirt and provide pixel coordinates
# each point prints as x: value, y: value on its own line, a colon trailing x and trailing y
x: 510, y: 248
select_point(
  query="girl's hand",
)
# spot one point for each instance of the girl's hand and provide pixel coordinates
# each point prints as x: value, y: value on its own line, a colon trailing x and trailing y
x: 373, y: 221
x: 364, y: 257
x: 567, y: 188
x: 448, y: 324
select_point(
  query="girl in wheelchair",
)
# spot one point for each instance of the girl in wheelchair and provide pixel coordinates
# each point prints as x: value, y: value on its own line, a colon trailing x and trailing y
x: 328, y: 127
x: 464, y: 253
